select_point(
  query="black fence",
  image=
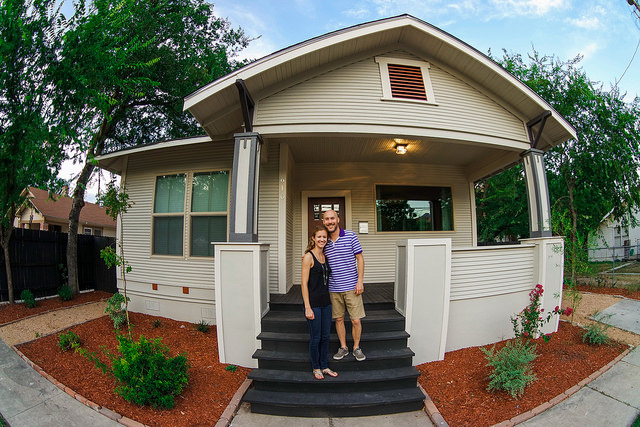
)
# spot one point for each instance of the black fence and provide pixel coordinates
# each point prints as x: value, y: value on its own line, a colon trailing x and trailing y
x: 39, y: 263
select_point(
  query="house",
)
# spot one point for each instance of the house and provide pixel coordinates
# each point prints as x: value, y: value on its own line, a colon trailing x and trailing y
x: 614, y: 240
x: 390, y: 123
x: 40, y: 211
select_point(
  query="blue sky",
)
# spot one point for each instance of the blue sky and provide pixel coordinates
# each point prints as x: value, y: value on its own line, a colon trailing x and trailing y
x: 605, y: 32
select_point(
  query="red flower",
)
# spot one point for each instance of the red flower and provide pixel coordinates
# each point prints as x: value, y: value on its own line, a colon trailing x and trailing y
x: 526, y: 334
x: 568, y: 311
x: 557, y: 309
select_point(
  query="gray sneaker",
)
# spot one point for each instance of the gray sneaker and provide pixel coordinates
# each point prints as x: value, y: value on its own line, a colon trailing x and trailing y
x: 358, y: 354
x: 342, y: 352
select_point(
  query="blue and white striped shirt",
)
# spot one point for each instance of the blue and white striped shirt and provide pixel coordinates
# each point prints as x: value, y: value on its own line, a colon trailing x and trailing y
x: 341, y: 256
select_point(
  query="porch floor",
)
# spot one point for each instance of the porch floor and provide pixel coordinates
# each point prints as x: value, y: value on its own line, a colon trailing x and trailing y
x: 373, y: 293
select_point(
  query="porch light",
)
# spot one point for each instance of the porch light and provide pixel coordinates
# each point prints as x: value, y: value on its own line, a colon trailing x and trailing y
x: 401, y: 148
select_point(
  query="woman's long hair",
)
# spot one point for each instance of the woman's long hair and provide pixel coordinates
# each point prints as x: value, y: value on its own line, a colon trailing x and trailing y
x: 311, y: 243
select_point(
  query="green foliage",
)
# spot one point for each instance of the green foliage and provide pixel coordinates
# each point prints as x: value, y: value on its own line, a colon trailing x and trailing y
x: 146, y: 374
x: 115, y: 311
x: 202, y: 326
x: 68, y: 340
x: 27, y: 298
x: 93, y: 358
x: 530, y: 321
x: 596, y: 334
x: 231, y: 368
x: 65, y: 293
x: 157, y: 323
x: 511, y: 367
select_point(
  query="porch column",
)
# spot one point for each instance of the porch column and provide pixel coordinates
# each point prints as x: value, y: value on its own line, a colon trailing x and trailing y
x: 537, y: 193
x: 244, y: 188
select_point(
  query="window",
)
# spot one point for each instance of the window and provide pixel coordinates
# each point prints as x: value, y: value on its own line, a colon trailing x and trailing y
x: 57, y: 228
x: 405, y: 80
x: 168, y: 214
x: 97, y: 231
x: 87, y: 231
x: 205, y: 210
x: 413, y: 208
x: 209, y: 205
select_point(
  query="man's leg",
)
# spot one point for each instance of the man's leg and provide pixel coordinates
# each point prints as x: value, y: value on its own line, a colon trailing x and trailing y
x: 342, y: 332
x: 356, y: 331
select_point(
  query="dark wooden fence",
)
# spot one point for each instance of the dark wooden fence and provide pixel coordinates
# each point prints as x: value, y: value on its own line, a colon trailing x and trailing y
x: 39, y: 263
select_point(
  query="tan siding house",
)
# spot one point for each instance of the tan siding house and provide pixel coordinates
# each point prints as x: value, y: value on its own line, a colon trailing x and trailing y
x: 225, y: 217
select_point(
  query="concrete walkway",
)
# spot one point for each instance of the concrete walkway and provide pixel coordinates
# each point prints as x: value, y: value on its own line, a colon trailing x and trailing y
x: 28, y: 399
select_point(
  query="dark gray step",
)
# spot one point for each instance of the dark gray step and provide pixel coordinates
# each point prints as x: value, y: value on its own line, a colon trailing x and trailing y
x: 299, y: 361
x: 294, y: 321
x: 334, y: 404
x: 354, y: 381
x: 368, y: 306
x: 295, y: 341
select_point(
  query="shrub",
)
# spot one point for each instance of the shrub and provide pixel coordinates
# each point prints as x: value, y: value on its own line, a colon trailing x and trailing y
x: 530, y: 321
x: 68, y: 340
x: 65, y: 293
x: 145, y: 373
x: 115, y: 311
x: 595, y: 334
x: 157, y: 323
x: 202, y: 326
x: 511, y: 367
x: 27, y: 297
x: 231, y: 368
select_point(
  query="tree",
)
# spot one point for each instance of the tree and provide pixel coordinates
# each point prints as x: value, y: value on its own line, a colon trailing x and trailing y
x: 30, y: 137
x: 126, y: 66
x: 596, y: 173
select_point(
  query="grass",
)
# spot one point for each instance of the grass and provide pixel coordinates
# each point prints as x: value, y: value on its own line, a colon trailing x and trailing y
x: 636, y: 423
x: 3, y: 422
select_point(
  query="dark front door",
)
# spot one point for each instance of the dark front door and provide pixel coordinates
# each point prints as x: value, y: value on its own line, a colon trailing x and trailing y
x: 317, y: 205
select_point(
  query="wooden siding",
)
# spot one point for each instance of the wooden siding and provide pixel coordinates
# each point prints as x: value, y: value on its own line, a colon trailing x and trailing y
x: 352, y: 95
x: 361, y: 178
x: 268, y: 208
x: 497, y: 270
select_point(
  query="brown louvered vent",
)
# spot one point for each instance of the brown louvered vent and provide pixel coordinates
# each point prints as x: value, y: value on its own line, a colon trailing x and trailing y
x: 406, y: 82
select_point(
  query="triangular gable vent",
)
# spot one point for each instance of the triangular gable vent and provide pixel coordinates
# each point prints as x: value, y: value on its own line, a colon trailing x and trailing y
x: 406, y: 82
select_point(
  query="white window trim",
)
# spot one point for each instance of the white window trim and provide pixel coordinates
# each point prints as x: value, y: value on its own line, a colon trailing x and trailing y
x: 384, y: 61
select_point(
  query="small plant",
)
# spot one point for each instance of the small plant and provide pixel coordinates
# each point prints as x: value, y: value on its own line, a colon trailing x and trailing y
x: 511, y: 367
x: 145, y: 373
x: 115, y: 311
x: 37, y: 334
x: 202, y: 326
x: 157, y: 323
x: 595, y: 334
x: 68, y: 340
x: 27, y: 297
x: 529, y: 322
x: 65, y: 293
x: 231, y: 368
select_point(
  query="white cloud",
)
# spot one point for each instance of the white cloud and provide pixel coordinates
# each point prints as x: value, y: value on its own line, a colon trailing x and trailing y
x: 589, y: 23
x: 588, y: 50
x: 508, y: 8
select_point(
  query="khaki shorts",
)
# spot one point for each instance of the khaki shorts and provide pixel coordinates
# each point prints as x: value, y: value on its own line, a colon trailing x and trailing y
x: 349, y: 300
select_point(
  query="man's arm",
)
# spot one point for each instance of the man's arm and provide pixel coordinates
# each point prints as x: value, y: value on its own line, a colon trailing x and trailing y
x: 360, y: 265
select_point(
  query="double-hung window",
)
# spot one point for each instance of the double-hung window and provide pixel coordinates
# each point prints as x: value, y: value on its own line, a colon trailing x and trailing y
x: 168, y: 215
x: 209, y: 205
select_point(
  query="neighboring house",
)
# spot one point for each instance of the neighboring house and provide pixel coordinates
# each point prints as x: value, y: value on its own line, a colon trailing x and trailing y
x: 40, y: 211
x: 614, y: 241
x: 324, y: 124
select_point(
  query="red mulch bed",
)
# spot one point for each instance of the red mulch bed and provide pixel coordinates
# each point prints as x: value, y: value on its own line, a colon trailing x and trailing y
x: 457, y: 385
x: 12, y: 312
x: 609, y: 291
x: 210, y: 388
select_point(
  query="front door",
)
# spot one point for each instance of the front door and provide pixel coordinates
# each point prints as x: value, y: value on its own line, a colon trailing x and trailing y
x: 316, y: 207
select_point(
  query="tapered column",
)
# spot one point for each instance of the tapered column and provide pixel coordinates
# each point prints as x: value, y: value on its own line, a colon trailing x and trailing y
x: 537, y: 193
x: 244, y: 188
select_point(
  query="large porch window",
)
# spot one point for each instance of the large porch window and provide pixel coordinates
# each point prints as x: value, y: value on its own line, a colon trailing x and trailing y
x: 413, y: 208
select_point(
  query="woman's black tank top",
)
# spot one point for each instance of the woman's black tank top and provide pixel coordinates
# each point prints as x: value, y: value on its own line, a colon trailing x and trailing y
x: 318, y: 283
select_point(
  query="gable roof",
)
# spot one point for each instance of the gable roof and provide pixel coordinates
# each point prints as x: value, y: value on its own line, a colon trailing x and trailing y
x: 59, y: 209
x: 216, y: 106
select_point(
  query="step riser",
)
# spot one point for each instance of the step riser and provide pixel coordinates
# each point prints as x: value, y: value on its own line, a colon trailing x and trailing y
x: 301, y: 346
x: 323, y: 412
x: 338, y: 365
x: 301, y: 326
x: 298, y: 307
x: 323, y: 386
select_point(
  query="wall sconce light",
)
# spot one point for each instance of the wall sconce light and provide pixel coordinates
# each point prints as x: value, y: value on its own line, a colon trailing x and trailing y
x: 401, y: 148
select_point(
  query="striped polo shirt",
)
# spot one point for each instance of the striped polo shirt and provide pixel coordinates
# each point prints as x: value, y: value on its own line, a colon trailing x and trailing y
x: 341, y: 256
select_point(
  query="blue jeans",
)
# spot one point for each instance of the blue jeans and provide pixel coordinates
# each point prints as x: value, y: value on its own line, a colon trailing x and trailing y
x: 319, y: 334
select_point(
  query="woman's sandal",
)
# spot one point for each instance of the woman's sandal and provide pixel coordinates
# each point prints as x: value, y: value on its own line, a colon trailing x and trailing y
x: 317, y: 374
x: 329, y: 372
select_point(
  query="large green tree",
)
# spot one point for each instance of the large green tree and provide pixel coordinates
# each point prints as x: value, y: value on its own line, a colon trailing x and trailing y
x: 596, y: 173
x: 30, y: 138
x: 126, y: 66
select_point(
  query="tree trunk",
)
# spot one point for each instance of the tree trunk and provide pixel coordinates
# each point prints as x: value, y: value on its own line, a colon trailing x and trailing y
x: 574, y: 233
x: 74, y: 219
x: 6, y: 237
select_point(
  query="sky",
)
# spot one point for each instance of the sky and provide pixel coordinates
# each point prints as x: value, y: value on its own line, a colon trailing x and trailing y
x: 605, y: 33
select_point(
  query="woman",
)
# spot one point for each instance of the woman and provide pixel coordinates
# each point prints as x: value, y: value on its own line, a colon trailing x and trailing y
x: 317, y: 305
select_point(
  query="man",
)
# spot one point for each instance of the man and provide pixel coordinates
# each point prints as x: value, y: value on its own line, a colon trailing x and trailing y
x: 344, y: 254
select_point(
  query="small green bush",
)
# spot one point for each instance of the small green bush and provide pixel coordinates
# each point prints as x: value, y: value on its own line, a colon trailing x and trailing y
x: 202, y: 326
x: 65, y: 293
x: 115, y: 311
x: 595, y: 334
x: 231, y: 368
x: 157, y: 323
x: 68, y: 340
x: 511, y: 367
x: 28, y: 298
x: 145, y: 373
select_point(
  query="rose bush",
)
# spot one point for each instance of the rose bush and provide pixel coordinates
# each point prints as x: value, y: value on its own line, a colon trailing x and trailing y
x: 529, y: 322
